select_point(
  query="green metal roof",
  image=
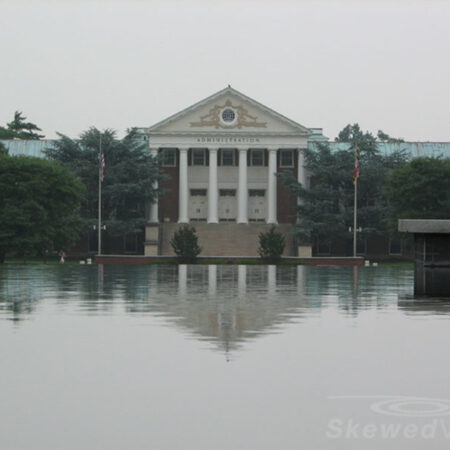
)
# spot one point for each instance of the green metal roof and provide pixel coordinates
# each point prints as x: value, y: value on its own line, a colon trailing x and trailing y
x: 414, y: 149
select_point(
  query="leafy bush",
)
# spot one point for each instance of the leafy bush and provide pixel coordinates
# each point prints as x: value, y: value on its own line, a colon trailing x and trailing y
x: 185, y: 244
x: 271, y: 245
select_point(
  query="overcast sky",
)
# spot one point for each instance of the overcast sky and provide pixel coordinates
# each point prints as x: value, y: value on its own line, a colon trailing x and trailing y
x: 115, y: 64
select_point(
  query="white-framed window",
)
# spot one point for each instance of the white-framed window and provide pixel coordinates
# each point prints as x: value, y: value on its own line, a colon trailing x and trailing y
x: 169, y: 157
x: 227, y: 157
x: 198, y: 157
x: 198, y: 192
x: 286, y: 158
x: 228, y: 116
x: 256, y: 157
x: 227, y: 192
x: 256, y: 192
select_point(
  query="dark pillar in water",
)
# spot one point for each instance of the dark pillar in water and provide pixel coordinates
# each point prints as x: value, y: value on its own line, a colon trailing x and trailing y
x: 432, y: 255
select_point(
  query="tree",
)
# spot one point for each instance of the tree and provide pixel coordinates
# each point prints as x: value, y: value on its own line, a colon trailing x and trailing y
x: 38, y: 206
x: 271, y: 245
x: 326, y: 207
x: 185, y: 244
x: 353, y: 134
x: 383, y: 137
x: 129, y: 177
x: 420, y: 190
x: 20, y: 129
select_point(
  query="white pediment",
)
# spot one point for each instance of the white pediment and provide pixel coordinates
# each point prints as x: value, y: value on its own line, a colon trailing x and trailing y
x: 228, y: 111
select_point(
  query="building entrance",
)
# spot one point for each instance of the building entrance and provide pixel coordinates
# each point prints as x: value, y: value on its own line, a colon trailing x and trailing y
x: 227, y: 205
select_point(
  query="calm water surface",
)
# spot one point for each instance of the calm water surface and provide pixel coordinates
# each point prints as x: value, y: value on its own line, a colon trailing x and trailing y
x: 221, y: 357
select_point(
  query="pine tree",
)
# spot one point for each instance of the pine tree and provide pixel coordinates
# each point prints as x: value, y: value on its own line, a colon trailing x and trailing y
x: 129, y: 177
x: 185, y: 244
x: 18, y: 128
x: 271, y: 245
x: 325, y: 210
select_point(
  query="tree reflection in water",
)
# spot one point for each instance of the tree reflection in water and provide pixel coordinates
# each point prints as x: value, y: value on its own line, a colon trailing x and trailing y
x: 226, y: 305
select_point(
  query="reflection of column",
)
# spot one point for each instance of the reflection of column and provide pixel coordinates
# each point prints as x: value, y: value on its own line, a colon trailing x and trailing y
x: 212, y: 279
x: 271, y: 280
x: 154, y: 206
x: 182, y: 280
x: 153, y: 277
x: 183, y: 188
x: 355, y: 280
x: 300, y: 281
x: 242, y: 216
x: 242, y: 280
x: 100, y: 278
x: 272, y: 187
x: 212, y: 190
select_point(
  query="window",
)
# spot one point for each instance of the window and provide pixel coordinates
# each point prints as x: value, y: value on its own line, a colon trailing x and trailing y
x: 256, y: 157
x: 361, y: 245
x: 286, y: 158
x: 168, y: 157
x: 395, y: 247
x: 256, y: 192
x: 93, y: 240
x: 130, y: 243
x: 227, y: 157
x: 198, y: 192
x: 323, y: 247
x: 198, y: 157
x: 228, y: 115
x: 227, y: 192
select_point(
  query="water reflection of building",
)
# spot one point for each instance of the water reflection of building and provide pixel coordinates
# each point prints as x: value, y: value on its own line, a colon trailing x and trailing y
x: 224, y: 305
x: 230, y: 304
x: 424, y: 305
x: 19, y: 293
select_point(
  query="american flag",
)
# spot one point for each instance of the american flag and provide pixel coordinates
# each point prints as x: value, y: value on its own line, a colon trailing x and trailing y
x: 356, y: 169
x: 102, y: 165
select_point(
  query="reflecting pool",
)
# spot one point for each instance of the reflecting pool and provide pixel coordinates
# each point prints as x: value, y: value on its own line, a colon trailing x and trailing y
x: 221, y: 357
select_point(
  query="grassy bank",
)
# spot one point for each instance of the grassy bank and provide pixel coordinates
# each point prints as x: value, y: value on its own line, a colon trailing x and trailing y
x: 200, y: 261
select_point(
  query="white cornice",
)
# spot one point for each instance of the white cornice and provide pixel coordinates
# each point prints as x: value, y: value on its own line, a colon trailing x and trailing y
x: 225, y: 133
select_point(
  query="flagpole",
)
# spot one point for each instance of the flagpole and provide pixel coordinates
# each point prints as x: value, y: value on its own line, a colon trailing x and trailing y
x: 355, y: 198
x: 100, y: 196
x: 355, y: 215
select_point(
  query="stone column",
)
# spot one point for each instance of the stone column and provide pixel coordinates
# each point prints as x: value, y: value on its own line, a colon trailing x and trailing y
x: 213, y: 212
x: 301, y: 173
x: 242, y: 216
x: 304, y: 248
x: 272, y: 187
x: 183, y: 189
x: 154, y: 206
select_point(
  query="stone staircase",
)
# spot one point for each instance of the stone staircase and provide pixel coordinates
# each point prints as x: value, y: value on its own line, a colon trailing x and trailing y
x: 227, y: 239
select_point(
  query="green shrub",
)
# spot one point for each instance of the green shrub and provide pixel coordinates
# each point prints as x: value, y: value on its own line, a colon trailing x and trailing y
x: 271, y: 245
x: 185, y: 244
